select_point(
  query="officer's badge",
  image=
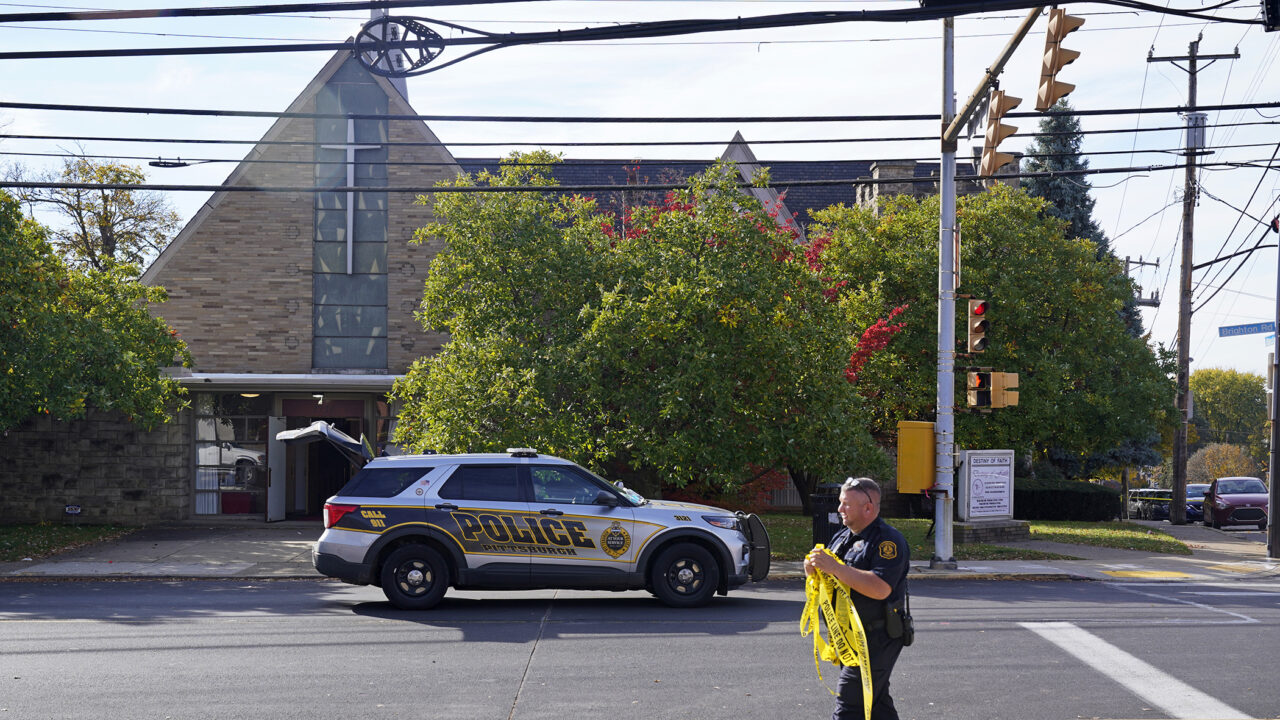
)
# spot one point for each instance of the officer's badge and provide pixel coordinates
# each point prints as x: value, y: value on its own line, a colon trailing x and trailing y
x: 615, y: 540
x: 888, y: 550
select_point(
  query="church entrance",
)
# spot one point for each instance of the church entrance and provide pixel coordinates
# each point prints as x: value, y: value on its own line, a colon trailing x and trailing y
x: 316, y: 471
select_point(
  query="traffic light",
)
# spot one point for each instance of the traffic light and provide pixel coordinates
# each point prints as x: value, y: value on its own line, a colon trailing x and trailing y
x: 1271, y: 15
x: 978, y: 324
x: 1004, y: 389
x: 1055, y: 56
x: 979, y: 389
x: 999, y: 104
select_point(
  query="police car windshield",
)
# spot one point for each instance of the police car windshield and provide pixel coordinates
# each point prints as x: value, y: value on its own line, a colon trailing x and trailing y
x: 631, y: 495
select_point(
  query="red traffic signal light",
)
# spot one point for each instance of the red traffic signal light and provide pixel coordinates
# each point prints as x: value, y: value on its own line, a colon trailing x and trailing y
x: 979, y: 389
x: 978, y: 325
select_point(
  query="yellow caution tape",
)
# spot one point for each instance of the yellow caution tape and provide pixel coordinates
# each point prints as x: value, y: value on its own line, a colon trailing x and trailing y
x: 826, y: 597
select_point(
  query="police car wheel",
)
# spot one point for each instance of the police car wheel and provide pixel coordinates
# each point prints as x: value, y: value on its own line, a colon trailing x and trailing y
x: 414, y: 577
x: 684, y: 575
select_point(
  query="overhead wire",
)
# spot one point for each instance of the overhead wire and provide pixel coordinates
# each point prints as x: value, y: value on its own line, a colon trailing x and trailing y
x: 579, y: 162
x: 601, y: 143
x: 1256, y: 188
x: 565, y: 119
x: 573, y: 188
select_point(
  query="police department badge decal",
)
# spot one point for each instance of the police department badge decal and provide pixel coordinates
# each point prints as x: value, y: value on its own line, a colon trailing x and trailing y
x: 615, y: 540
x: 888, y: 550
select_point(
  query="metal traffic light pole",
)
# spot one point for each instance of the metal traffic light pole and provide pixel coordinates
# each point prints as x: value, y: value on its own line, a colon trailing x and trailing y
x: 945, y: 425
x: 1273, y: 537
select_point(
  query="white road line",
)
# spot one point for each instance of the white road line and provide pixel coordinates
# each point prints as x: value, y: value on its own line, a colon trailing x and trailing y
x: 1239, y: 593
x: 1174, y: 697
x: 1202, y: 606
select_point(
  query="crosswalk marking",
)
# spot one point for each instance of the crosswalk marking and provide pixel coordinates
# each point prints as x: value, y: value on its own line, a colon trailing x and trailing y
x: 1174, y: 697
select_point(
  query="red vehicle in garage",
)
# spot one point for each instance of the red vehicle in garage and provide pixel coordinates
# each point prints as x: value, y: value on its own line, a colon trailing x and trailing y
x: 1236, y: 501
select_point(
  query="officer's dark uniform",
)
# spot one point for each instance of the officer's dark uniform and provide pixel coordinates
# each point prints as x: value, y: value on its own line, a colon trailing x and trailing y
x: 881, y: 549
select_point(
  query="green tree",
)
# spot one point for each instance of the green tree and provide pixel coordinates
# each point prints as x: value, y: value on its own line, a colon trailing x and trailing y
x: 1219, y: 460
x: 1086, y: 384
x: 1057, y: 150
x: 77, y: 339
x: 687, y: 342
x: 103, y: 228
x: 1231, y: 407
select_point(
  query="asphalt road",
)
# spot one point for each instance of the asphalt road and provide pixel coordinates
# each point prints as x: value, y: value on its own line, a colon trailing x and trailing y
x: 306, y: 649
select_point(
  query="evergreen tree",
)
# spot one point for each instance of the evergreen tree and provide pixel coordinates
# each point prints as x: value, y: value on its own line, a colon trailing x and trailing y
x: 1058, y: 150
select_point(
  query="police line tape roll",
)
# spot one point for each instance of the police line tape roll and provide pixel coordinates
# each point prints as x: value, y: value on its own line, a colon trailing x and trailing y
x: 826, y: 597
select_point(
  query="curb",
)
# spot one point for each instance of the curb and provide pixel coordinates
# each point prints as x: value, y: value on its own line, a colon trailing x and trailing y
x: 949, y: 575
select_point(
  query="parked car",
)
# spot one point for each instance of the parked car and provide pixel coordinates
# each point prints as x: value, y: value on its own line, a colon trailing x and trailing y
x: 416, y: 525
x: 1195, y: 501
x: 1236, y: 501
x: 1149, y: 503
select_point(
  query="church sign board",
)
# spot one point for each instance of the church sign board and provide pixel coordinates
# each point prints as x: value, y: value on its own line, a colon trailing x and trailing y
x: 986, y: 485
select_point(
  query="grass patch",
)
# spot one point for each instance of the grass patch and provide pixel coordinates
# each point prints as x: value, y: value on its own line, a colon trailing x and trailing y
x: 18, y: 542
x: 792, y: 537
x: 1122, y: 535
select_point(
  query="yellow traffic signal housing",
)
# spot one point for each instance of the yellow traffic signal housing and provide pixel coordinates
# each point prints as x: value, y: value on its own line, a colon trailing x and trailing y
x: 997, y: 107
x: 916, y: 448
x: 978, y: 325
x: 1055, y: 57
x: 979, y: 389
x: 1004, y: 389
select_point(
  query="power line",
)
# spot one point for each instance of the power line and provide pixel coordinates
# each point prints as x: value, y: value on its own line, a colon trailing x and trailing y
x: 961, y: 36
x: 1227, y: 239
x: 591, y: 188
x: 565, y: 119
x: 593, y: 162
x: 366, y: 43
x: 1241, y: 264
x: 603, y: 143
x: 949, y: 9
x: 166, y: 13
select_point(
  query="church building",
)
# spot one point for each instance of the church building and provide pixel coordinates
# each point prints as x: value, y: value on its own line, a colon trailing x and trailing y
x: 299, y: 306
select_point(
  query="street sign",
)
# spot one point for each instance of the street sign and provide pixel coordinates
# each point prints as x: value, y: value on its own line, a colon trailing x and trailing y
x: 1250, y: 329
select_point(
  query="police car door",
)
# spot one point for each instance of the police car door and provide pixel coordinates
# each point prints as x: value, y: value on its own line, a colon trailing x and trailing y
x: 590, y: 541
x: 483, y: 507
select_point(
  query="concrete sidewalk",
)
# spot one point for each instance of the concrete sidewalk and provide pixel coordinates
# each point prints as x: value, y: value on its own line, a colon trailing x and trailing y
x: 234, y: 549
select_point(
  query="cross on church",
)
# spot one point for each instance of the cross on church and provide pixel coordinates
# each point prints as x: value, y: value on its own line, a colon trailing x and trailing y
x: 351, y: 148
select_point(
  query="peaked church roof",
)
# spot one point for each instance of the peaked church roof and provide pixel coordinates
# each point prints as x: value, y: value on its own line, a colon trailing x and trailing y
x: 248, y: 172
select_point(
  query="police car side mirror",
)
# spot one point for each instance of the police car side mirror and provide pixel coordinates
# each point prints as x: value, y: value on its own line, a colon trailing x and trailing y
x: 606, y: 498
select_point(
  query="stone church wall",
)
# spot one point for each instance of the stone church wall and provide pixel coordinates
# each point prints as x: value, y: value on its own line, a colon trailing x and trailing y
x: 116, y: 472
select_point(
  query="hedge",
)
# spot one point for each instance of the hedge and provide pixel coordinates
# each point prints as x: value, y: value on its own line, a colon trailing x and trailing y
x: 1037, y: 499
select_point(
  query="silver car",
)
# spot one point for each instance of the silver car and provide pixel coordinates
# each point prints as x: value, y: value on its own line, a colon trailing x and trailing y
x: 416, y: 525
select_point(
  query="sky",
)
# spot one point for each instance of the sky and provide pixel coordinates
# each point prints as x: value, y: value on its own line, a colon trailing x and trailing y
x: 842, y: 69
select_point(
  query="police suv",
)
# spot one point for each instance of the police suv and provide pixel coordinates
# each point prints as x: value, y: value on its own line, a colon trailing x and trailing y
x: 416, y: 525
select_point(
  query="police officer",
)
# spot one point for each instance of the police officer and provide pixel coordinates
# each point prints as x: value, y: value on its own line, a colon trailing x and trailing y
x: 876, y: 558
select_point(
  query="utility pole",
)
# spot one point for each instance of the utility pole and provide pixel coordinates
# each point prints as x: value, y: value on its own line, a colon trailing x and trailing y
x: 1195, y: 143
x: 1154, y: 300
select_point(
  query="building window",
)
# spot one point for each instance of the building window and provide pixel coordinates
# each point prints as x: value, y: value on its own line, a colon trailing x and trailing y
x: 231, y: 453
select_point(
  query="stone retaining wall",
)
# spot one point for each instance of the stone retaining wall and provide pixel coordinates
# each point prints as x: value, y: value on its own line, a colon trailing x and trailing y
x: 115, y: 471
x: 991, y: 531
